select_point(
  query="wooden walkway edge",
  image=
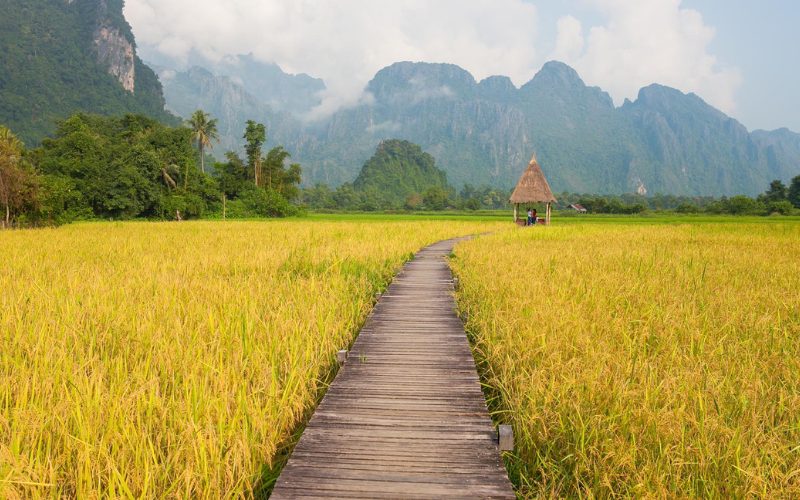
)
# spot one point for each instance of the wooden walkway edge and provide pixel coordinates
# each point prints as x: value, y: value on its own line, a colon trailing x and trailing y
x: 405, y: 417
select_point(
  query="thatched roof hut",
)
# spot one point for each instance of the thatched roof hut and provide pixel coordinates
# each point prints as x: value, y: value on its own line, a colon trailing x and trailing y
x: 532, y: 188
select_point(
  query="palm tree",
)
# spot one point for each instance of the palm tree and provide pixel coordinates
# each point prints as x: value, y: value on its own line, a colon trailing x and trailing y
x: 12, y: 177
x: 10, y: 141
x: 255, y: 134
x: 204, y: 130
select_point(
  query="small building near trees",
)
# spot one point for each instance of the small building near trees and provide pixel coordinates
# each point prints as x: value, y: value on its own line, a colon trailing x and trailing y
x: 578, y: 208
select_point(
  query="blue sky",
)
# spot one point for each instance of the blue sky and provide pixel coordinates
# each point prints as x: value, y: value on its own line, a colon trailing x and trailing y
x: 761, y: 39
x: 739, y: 56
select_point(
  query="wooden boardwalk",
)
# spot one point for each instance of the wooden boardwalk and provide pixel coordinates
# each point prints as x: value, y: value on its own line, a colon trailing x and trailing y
x: 405, y: 417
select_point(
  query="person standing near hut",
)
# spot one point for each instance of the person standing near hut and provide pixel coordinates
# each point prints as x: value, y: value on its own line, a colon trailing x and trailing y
x: 533, y: 217
x: 530, y: 217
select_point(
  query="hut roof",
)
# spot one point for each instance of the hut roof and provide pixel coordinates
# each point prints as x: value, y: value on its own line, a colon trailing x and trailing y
x: 532, y: 186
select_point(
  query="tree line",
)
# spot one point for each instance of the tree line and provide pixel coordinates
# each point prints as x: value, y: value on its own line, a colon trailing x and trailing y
x: 135, y: 167
x: 401, y: 176
x: 97, y: 167
x: 778, y: 199
x: 434, y: 198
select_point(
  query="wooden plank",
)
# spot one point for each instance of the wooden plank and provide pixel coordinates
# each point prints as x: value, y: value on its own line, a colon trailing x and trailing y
x: 343, y: 488
x: 454, y: 476
x: 405, y: 417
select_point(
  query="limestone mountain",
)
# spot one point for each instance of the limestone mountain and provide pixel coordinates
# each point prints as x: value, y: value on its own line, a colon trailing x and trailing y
x: 691, y: 147
x: 289, y: 93
x: 781, y: 148
x: 483, y: 132
x: 294, y: 94
x: 230, y: 103
x: 399, y: 169
x: 64, y: 56
x: 436, y: 106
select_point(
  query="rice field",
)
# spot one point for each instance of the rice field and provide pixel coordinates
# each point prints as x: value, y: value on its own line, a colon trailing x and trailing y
x: 176, y: 360
x: 642, y: 360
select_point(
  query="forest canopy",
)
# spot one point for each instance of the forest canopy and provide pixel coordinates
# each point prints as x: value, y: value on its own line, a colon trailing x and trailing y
x: 97, y: 167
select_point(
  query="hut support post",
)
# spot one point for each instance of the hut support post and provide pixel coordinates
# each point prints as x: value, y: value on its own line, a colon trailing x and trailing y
x: 547, y: 216
x: 516, y: 212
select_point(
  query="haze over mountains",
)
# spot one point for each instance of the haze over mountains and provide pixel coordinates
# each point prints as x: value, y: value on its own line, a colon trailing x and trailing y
x: 484, y: 132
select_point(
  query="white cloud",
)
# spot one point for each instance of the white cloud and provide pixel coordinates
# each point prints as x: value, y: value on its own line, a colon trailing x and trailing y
x: 167, y: 75
x: 345, y: 42
x: 384, y: 127
x: 569, y: 42
x: 644, y: 42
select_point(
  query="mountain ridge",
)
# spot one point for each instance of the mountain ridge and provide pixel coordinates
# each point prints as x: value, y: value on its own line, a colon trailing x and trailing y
x: 229, y: 102
x: 64, y: 57
x: 482, y: 132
